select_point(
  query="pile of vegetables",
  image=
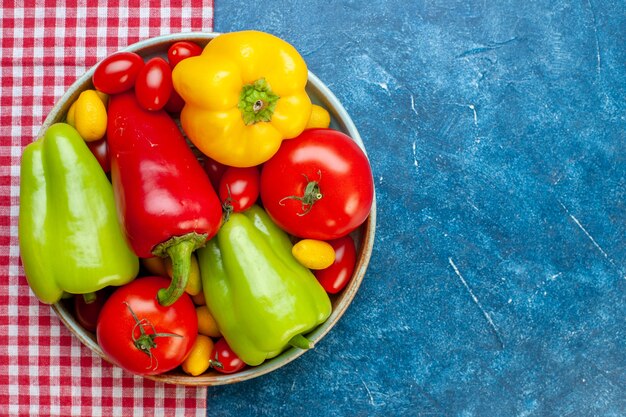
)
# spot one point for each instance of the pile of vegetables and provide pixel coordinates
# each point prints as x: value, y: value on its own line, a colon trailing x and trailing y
x: 196, y: 211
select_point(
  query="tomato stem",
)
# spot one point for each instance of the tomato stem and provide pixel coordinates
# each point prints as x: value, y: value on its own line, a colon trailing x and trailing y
x: 145, y: 342
x: 227, y: 205
x: 312, y: 194
x: 215, y: 364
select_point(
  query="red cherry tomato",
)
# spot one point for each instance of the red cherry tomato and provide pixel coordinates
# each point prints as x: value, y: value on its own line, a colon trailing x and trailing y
x: 181, y: 50
x: 214, y: 170
x: 153, y: 86
x: 175, y: 104
x: 318, y: 185
x: 224, y: 359
x: 139, y: 334
x: 239, y: 188
x: 335, y: 277
x: 87, y: 313
x: 117, y: 73
x: 100, y: 149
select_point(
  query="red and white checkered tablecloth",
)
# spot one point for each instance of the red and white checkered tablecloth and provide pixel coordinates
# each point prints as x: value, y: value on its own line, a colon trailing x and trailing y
x: 46, y: 46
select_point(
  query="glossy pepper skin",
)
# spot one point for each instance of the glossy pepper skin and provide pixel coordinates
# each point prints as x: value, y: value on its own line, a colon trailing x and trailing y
x: 244, y: 94
x: 164, y: 198
x: 261, y: 298
x: 69, y: 235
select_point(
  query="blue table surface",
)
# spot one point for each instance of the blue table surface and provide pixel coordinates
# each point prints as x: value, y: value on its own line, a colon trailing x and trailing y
x: 497, y: 136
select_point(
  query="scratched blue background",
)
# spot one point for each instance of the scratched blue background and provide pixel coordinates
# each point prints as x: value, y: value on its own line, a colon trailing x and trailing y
x: 496, y: 132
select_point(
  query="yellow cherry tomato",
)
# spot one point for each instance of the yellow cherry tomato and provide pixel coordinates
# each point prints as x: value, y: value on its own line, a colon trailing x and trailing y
x: 199, y: 358
x: 319, y: 117
x: 194, y: 282
x: 103, y: 97
x: 199, y: 299
x: 155, y: 265
x: 90, y: 116
x: 71, y: 115
x: 314, y: 254
x: 206, y: 323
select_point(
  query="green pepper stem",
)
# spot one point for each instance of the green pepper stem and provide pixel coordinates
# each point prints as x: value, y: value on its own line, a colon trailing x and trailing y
x: 300, y: 342
x: 179, y: 249
x: 257, y: 102
x: 89, y: 297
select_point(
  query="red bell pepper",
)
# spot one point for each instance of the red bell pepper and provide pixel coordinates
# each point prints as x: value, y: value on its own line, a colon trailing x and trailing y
x: 165, y: 200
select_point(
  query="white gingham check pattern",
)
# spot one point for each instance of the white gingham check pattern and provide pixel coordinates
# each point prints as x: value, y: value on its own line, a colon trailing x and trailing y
x: 45, y: 47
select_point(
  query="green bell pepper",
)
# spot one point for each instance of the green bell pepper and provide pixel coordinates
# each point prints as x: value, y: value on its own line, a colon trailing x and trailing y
x: 262, y: 299
x: 69, y: 235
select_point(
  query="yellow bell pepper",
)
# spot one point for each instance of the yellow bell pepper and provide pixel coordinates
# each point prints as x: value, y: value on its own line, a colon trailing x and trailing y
x: 244, y: 94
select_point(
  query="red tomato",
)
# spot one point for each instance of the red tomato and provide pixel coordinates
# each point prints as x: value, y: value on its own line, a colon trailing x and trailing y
x: 140, y: 335
x: 181, y: 50
x: 215, y: 170
x: 153, y: 86
x: 318, y: 185
x: 100, y: 149
x: 117, y: 73
x: 239, y: 188
x: 335, y: 277
x: 224, y: 359
x: 87, y: 313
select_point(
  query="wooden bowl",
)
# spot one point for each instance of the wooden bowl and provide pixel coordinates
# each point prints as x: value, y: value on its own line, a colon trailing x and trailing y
x: 364, y: 236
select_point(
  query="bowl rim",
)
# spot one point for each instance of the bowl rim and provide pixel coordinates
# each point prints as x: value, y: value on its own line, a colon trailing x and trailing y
x: 365, y: 248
